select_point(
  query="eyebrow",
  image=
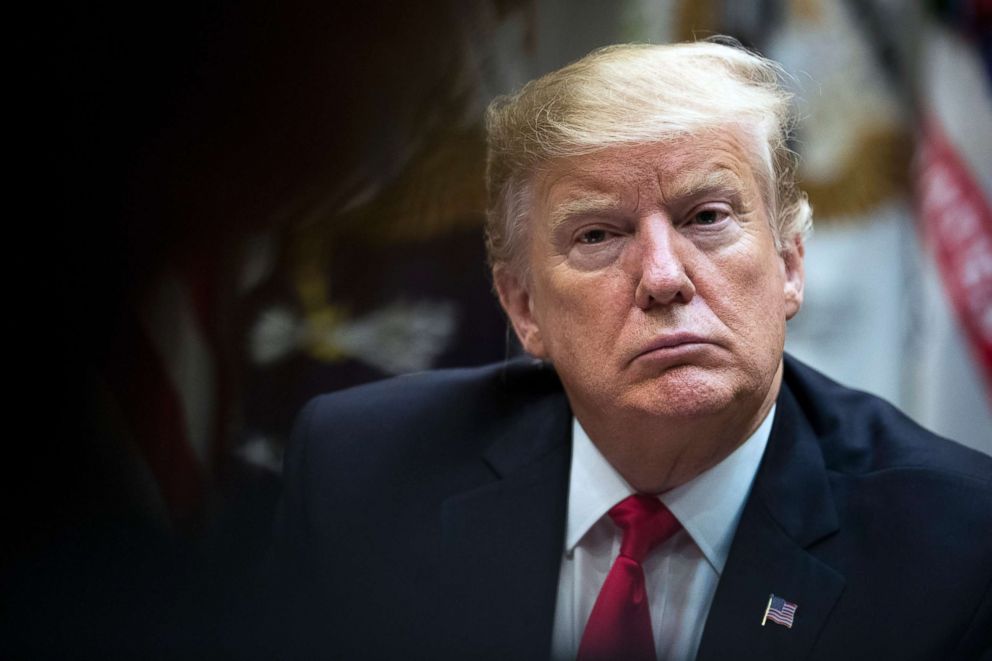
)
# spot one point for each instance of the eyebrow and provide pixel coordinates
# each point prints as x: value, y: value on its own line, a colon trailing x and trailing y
x: 587, y: 204
x: 692, y: 184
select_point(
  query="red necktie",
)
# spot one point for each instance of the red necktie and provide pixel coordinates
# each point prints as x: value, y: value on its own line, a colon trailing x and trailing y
x: 619, y: 626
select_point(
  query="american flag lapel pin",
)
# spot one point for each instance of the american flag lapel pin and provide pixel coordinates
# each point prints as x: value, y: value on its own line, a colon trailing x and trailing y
x: 779, y: 611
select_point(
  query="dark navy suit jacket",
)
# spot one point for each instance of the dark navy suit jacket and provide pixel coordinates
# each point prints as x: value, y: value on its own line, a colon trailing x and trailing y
x: 424, y: 516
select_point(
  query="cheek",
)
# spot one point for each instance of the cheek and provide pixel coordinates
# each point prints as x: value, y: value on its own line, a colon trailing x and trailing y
x: 767, y: 312
x: 751, y: 298
x: 580, y: 313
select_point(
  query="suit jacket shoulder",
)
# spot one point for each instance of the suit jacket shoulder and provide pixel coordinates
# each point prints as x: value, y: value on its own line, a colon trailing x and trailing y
x: 863, y: 434
x: 440, y: 400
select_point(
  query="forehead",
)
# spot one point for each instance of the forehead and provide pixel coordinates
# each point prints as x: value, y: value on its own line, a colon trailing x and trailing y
x: 722, y: 159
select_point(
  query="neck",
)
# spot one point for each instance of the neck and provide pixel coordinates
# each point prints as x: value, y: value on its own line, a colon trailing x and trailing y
x: 657, y: 454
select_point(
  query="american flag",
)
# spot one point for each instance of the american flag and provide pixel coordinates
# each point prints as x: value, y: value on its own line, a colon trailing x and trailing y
x: 780, y: 611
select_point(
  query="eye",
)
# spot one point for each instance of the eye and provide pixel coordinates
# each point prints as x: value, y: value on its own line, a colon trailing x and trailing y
x: 708, y: 216
x: 593, y: 236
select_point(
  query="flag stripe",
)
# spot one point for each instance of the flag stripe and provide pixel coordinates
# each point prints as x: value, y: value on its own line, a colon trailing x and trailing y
x: 958, y: 225
x: 781, y: 611
x: 169, y: 321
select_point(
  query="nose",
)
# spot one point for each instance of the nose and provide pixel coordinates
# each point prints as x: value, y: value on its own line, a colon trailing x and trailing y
x: 662, y: 277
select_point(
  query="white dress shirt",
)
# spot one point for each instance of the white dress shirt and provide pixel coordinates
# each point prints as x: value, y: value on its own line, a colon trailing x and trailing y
x: 681, y: 574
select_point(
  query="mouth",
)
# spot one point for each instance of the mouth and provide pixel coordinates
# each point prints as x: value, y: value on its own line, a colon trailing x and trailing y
x: 671, y: 346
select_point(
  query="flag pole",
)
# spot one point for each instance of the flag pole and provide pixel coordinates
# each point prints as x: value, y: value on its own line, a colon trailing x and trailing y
x: 767, y: 608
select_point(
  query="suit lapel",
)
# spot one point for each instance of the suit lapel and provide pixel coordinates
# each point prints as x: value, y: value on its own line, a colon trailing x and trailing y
x: 790, y: 508
x: 502, y: 542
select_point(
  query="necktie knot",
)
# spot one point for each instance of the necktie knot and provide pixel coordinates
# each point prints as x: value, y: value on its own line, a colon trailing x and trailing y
x: 645, y: 522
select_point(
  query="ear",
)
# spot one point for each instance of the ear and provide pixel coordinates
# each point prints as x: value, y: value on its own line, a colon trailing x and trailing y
x: 795, y: 276
x: 515, y: 297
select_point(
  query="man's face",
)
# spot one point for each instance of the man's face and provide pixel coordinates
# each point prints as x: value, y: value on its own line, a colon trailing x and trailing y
x: 655, y: 285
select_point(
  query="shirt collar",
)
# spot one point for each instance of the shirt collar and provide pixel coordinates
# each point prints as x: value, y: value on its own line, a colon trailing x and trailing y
x: 709, y: 506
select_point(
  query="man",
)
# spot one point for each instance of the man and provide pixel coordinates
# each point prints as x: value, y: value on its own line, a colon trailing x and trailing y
x: 657, y: 481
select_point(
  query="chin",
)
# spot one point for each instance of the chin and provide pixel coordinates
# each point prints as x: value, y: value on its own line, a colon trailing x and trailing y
x: 688, y: 392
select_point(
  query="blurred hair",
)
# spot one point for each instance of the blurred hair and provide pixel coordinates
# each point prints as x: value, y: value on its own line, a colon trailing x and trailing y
x: 637, y: 94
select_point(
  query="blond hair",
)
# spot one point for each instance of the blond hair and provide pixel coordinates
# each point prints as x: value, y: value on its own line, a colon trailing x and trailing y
x: 637, y: 94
